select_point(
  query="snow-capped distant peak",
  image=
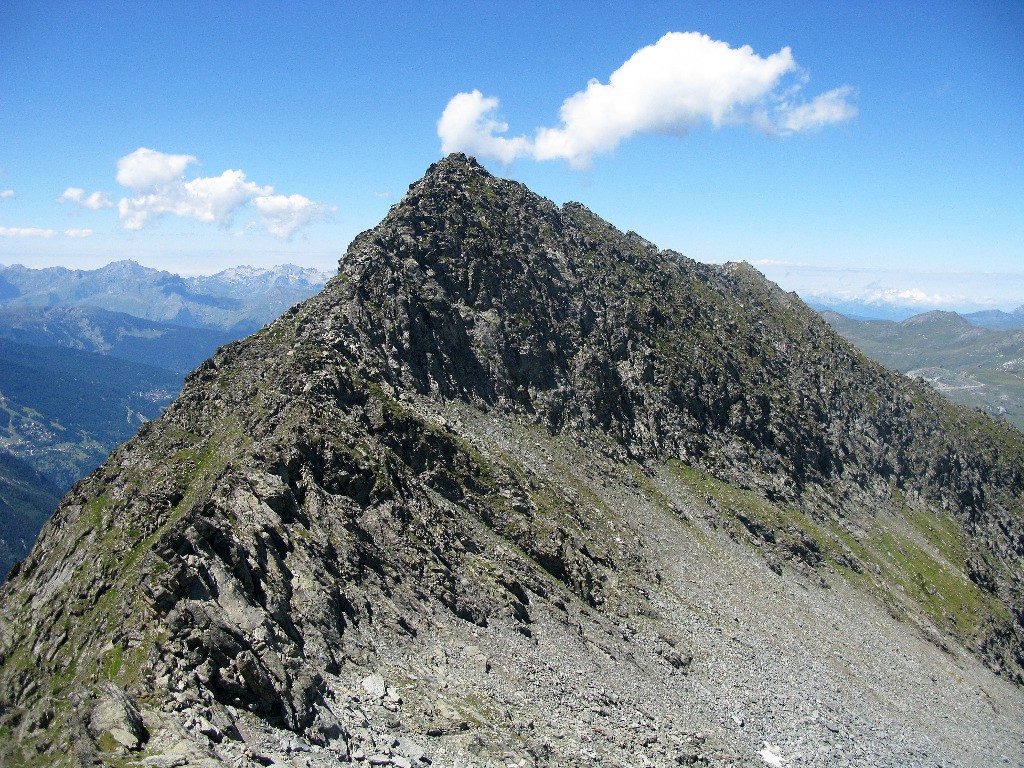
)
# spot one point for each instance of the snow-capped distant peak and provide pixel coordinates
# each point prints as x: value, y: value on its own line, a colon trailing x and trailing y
x: 289, y: 273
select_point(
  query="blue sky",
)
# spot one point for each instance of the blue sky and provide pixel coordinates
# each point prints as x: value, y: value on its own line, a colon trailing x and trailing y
x: 262, y: 133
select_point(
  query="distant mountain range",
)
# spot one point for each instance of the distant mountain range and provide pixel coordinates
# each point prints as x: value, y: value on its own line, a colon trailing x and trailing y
x: 239, y: 300
x: 87, y: 356
x: 997, y: 320
x: 993, y: 319
x: 971, y: 364
x: 116, y: 334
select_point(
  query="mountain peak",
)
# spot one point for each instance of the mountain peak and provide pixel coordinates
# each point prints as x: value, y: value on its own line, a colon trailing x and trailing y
x: 453, y: 170
x: 513, y: 474
x: 938, y: 317
x: 129, y: 268
x: 454, y: 161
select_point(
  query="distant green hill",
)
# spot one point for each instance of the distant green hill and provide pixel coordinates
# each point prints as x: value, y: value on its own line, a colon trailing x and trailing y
x: 63, y: 410
x: 27, y: 499
x: 971, y: 365
x: 61, y: 413
x: 89, y: 329
x: 997, y: 320
x: 86, y: 356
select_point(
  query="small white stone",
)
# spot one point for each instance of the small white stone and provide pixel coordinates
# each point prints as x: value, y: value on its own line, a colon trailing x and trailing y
x: 374, y: 685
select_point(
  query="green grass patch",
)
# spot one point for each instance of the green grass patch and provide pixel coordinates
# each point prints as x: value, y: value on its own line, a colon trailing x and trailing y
x: 94, y: 512
x: 941, y: 532
x: 917, y: 554
x: 941, y: 590
x: 111, y: 662
x: 781, y: 519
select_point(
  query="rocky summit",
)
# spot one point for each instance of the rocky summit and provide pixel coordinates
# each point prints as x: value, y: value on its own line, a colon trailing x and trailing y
x: 518, y: 489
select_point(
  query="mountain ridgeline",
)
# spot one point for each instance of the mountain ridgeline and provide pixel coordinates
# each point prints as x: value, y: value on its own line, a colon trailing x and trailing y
x: 518, y: 488
x: 505, y: 300
x: 237, y: 301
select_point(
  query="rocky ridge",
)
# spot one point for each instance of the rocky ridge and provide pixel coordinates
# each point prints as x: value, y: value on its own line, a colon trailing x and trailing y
x: 519, y: 489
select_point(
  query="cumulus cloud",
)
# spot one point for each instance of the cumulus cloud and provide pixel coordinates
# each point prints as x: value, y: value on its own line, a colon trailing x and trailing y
x: 910, y: 296
x: 26, y: 232
x: 78, y: 232
x: 282, y: 215
x: 466, y: 127
x: 211, y: 200
x: 878, y: 295
x: 683, y: 81
x: 94, y: 201
x: 831, y: 107
x: 6, y: 193
x: 146, y: 169
x: 158, y: 182
x: 159, y: 187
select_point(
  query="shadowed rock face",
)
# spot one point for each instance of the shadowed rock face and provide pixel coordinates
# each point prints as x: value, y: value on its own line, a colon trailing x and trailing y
x: 517, y: 488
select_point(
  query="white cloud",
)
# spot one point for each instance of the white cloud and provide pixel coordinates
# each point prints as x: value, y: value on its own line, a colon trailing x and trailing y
x: 94, y: 202
x: 6, y: 193
x: 211, y: 200
x: 465, y: 127
x: 282, y: 215
x: 870, y: 286
x: 883, y: 296
x: 145, y: 170
x: 830, y: 107
x: 158, y: 187
x: 26, y: 232
x: 910, y: 296
x: 157, y: 181
x: 672, y: 87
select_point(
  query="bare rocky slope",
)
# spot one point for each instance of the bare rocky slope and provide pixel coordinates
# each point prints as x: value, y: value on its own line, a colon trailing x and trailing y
x: 519, y: 489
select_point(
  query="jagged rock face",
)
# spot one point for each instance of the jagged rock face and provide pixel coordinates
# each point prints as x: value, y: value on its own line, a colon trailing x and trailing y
x: 495, y: 495
x: 476, y: 288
